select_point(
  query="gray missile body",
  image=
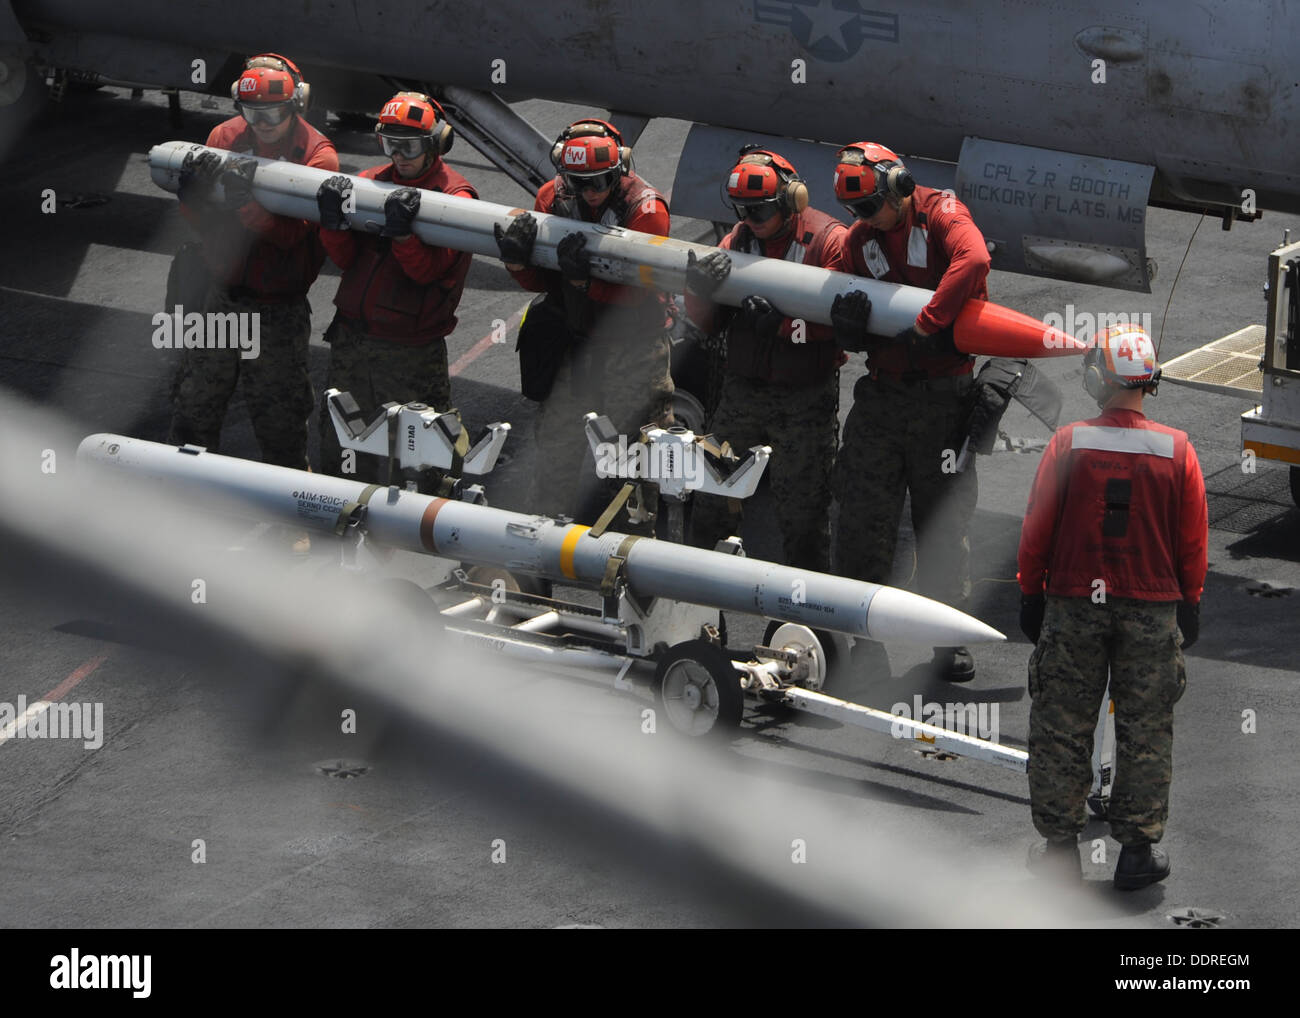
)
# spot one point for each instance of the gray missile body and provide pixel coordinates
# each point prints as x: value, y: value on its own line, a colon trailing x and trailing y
x: 628, y: 257
x: 539, y: 545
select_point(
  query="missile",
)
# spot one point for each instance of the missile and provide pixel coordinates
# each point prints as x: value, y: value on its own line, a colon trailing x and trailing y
x: 636, y: 259
x: 537, y: 545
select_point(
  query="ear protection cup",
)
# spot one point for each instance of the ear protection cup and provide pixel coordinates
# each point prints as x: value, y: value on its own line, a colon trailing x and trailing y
x: 591, y: 128
x: 443, y: 136
x: 796, y: 195
x: 892, y: 177
x: 898, y: 180
x: 301, y: 90
x: 1094, y: 383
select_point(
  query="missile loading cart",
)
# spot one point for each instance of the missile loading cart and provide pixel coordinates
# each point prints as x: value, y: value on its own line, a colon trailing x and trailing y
x: 663, y: 629
x: 658, y: 616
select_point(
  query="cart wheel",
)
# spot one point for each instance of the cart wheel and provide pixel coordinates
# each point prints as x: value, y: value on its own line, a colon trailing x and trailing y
x: 698, y: 689
x: 515, y: 583
x: 688, y: 411
x: 827, y: 653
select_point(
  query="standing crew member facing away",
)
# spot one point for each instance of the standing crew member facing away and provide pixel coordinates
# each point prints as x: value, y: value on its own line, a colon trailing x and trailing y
x: 398, y: 297
x: 1111, y: 566
x: 910, y: 410
x: 262, y: 264
x: 614, y: 356
x: 781, y: 381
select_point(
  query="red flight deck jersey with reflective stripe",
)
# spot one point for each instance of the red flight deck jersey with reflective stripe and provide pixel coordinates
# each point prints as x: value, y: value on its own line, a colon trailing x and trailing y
x: 811, y: 238
x: 632, y: 204
x: 936, y: 246
x: 1121, y: 499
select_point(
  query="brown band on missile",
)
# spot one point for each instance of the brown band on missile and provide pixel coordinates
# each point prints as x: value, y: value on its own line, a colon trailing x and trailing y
x: 426, y: 524
x: 518, y: 212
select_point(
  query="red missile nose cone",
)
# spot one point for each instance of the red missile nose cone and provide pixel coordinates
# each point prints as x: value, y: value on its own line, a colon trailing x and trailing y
x: 987, y: 329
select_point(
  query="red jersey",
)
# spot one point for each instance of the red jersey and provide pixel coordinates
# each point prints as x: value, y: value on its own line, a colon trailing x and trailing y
x: 936, y: 246
x: 401, y: 290
x: 815, y: 239
x: 633, y: 204
x: 1121, y: 499
x: 272, y: 256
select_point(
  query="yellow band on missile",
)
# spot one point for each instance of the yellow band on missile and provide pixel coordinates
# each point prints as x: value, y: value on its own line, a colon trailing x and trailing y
x: 568, y: 547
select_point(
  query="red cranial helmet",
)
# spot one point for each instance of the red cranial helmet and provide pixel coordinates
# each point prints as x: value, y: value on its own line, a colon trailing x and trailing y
x: 867, y: 174
x: 763, y: 184
x: 590, y: 155
x: 411, y: 123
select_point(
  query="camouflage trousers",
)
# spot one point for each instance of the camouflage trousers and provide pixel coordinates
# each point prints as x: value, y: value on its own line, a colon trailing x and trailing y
x: 801, y: 426
x: 899, y: 439
x: 375, y: 372
x: 626, y: 379
x: 1139, y: 645
x: 275, y: 383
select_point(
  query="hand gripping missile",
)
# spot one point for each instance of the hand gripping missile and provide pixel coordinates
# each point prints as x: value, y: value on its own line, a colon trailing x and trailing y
x: 537, y: 545
x: 635, y: 259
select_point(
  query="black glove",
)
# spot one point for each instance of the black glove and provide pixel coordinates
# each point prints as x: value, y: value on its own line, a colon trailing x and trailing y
x: 849, y: 315
x: 516, y: 242
x: 1189, y: 621
x: 330, y: 197
x: 762, y: 318
x: 1032, y: 608
x: 705, y: 275
x: 575, y: 260
x: 198, y: 176
x: 936, y: 343
x: 400, y: 208
x: 237, y: 182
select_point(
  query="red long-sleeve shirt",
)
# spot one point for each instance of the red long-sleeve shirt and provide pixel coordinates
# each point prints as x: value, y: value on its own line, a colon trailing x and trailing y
x: 936, y: 245
x: 401, y: 290
x: 813, y: 238
x: 268, y: 254
x: 948, y: 255
x: 634, y: 205
x: 1120, y: 499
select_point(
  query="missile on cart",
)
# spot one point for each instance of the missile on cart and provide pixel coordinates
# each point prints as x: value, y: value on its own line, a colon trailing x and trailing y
x: 537, y: 545
x: 631, y: 258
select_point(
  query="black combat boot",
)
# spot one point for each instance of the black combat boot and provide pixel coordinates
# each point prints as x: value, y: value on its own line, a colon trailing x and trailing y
x: 1140, y: 865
